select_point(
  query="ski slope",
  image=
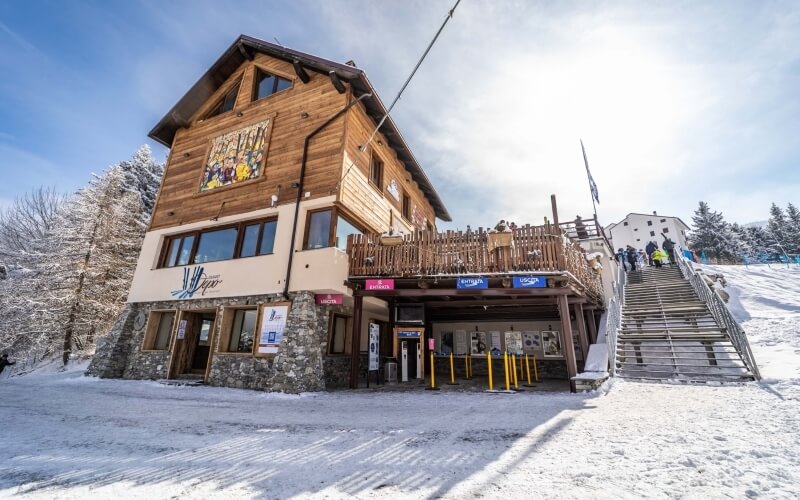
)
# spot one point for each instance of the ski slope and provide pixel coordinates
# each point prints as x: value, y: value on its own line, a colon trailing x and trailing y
x: 69, y: 436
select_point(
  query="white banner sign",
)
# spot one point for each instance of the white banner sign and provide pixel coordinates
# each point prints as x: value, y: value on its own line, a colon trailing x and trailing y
x: 273, y: 323
x: 374, y: 345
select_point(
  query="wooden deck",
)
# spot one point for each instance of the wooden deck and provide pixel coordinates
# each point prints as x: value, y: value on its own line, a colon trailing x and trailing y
x: 534, y: 249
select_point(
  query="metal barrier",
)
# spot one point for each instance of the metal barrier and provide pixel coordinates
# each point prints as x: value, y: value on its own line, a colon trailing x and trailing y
x: 614, y: 317
x: 720, y: 312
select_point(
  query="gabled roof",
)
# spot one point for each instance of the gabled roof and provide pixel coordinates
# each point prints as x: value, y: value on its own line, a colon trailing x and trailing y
x: 242, y: 50
x: 611, y: 226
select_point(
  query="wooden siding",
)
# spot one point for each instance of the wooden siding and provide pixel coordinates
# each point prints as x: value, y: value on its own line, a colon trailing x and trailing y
x: 179, y: 192
x: 368, y: 202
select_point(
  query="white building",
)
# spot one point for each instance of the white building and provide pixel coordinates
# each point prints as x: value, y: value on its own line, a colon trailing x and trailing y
x: 638, y: 229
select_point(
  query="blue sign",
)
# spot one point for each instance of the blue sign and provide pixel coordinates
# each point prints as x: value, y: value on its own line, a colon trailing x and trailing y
x: 408, y: 334
x: 530, y: 282
x: 472, y: 283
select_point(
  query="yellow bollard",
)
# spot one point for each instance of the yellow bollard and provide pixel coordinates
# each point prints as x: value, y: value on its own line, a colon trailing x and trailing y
x: 528, y: 370
x: 489, y: 362
x: 433, y: 376
x: 535, y: 370
x: 452, y: 371
x: 469, y: 357
x: 505, y: 366
x: 466, y: 367
x: 514, y: 364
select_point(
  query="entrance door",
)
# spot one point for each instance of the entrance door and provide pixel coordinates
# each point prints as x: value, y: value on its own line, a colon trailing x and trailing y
x: 192, y: 346
x: 410, y: 359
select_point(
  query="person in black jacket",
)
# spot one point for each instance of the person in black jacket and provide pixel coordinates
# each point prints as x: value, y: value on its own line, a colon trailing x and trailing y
x: 5, y: 362
x: 649, y: 249
x: 631, y: 254
x: 669, y: 247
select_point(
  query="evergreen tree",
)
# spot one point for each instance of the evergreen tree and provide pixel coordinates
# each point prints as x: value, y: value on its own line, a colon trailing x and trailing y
x: 712, y: 235
x: 777, y: 230
x: 792, y: 229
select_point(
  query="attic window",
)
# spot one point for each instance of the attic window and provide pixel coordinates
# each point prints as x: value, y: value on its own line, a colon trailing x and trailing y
x: 226, y: 103
x: 267, y: 84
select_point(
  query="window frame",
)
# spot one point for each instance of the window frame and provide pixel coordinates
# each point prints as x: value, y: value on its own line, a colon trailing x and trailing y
x: 237, y: 248
x: 228, y: 317
x: 376, y: 159
x: 151, y: 330
x: 405, y: 207
x: 348, y: 334
x: 336, y: 212
x: 211, y: 113
x: 256, y: 79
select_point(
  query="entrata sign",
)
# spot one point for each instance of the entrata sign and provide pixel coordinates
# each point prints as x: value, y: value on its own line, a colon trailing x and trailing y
x: 472, y: 283
x: 328, y: 299
x: 530, y: 282
x: 379, y: 285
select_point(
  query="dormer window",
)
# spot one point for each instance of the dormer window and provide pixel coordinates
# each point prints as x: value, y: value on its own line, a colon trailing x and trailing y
x: 268, y: 84
x: 376, y: 172
x: 226, y: 103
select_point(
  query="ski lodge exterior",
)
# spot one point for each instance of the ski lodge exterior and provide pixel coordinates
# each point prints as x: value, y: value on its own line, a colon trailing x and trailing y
x: 283, y: 239
x: 637, y: 230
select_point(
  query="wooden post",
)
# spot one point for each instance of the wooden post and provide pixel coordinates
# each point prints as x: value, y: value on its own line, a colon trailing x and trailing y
x: 355, y: 342
x: 566, y: 341
x: 592, y: 326
x: 580, y: 319
x: 555, y: 209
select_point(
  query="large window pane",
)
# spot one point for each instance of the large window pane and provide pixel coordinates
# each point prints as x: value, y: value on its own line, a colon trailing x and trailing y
x: 165, y: 322
x: 343, y: 229
x: 283, y: 84
x: 338, y: 335
x: 250, y: 240
x: 172, y: 252
x: 186, y: 250
x: 216, y: 245
x: 242, y: 332
x: 268, y: 238
x: 319, y: 230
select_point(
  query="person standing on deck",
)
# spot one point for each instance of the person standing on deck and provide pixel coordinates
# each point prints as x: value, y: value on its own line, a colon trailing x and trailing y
x: 651, y: 247
x: 580, y: 228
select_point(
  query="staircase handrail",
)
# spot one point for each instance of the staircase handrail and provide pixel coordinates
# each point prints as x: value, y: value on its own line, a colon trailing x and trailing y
x: 614, y: 317
x: 719, y: 310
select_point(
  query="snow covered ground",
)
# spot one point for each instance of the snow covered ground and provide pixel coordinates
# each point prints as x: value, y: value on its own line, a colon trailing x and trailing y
x: 68, y: 436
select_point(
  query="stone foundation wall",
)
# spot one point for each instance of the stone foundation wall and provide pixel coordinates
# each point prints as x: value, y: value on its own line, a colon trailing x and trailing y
x: 301, y: 364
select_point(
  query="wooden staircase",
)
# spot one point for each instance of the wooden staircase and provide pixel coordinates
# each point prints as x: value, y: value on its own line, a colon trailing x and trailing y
x: 668, y: 333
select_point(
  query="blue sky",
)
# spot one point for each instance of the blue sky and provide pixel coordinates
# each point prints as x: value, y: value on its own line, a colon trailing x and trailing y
x: 676, y: 101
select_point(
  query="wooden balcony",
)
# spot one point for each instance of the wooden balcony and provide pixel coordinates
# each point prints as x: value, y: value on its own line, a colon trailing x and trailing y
x: 528, y: 249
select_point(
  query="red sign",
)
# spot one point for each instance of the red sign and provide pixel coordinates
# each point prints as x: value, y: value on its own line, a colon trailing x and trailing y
x: 379, y: 285
x: 328, y: 299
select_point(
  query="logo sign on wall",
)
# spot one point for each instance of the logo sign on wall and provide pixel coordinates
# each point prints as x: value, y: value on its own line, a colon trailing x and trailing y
x: 273, y: 324
x: 374, y: 339
x: 379, y: 284
x: 530, y: 282
x: 408, y: 334
x: 182, y: 329
x: 196, y: 280
x: 472, y: 283
x: 328, y: 299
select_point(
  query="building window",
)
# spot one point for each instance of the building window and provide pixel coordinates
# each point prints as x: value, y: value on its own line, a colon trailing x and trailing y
x: 268, y: 84
x: 665, y: 230
x: 244, y: 239
x: 625, y: 223
x: 159, y: 331
x: 238, y: 330
x: 637, y: 239
x: 636, y: 229
x: 406, y: 207
x: 226, y: 103
x: 215, y: 245
x: 323, y: 232
x: 652, y: 233
x: 649, y: 223
x: 663, y: 220
x: 376, y: 172
x: 340, y: 327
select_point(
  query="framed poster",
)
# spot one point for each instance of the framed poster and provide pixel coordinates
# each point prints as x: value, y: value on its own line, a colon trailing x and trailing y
x: 479, y: 343
x: 496, y: 345
x: 236, y: 156
x: 514, y: 342
x: 531, y: 341
x: 273, y: 324
x: 461, y: 342
x: 374, y: 344
x: 551, y: 343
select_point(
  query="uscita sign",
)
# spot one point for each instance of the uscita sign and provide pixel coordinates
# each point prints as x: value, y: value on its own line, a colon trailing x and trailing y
x: 328, y: 299
x: 530, y: 282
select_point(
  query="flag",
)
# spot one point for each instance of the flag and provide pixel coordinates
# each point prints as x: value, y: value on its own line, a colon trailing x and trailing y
x: 592, y: 185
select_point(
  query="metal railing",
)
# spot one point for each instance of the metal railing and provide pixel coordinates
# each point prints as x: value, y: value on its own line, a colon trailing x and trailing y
x: 614, y: 317
x: 720, y: 312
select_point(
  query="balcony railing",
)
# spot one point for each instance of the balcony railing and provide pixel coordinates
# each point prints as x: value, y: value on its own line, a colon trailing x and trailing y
x: 527, y: 249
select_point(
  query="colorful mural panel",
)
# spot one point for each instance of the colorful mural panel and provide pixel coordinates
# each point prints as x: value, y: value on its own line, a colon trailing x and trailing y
x: 237, y: 156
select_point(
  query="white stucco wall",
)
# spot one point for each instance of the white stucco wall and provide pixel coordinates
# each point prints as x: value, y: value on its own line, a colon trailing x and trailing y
x: 637, y: 232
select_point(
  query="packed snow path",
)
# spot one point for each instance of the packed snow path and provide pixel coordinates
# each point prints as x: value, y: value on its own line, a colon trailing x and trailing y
x: 69, y: 436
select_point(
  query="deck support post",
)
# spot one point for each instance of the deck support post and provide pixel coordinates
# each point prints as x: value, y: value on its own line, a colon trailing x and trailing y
x: 566, y: 332
x: 355, y: 342
x: 580, y: 319
x: 590, y: 319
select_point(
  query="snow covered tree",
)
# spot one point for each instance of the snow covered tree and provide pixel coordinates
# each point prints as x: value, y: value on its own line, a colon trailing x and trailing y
x: 142, y: 175
x: 792, y: 229
x: 712, y: 235
x: 778, y: 230
x: 25, y: 224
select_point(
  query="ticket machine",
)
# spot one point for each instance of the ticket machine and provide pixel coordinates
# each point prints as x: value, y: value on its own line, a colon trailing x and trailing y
x: 409, y: 352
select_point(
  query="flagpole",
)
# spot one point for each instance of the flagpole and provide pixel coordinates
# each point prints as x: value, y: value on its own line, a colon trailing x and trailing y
x: 589, y: 180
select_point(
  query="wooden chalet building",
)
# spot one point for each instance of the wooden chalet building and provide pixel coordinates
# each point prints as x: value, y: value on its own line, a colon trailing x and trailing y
x: 241, y: 276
